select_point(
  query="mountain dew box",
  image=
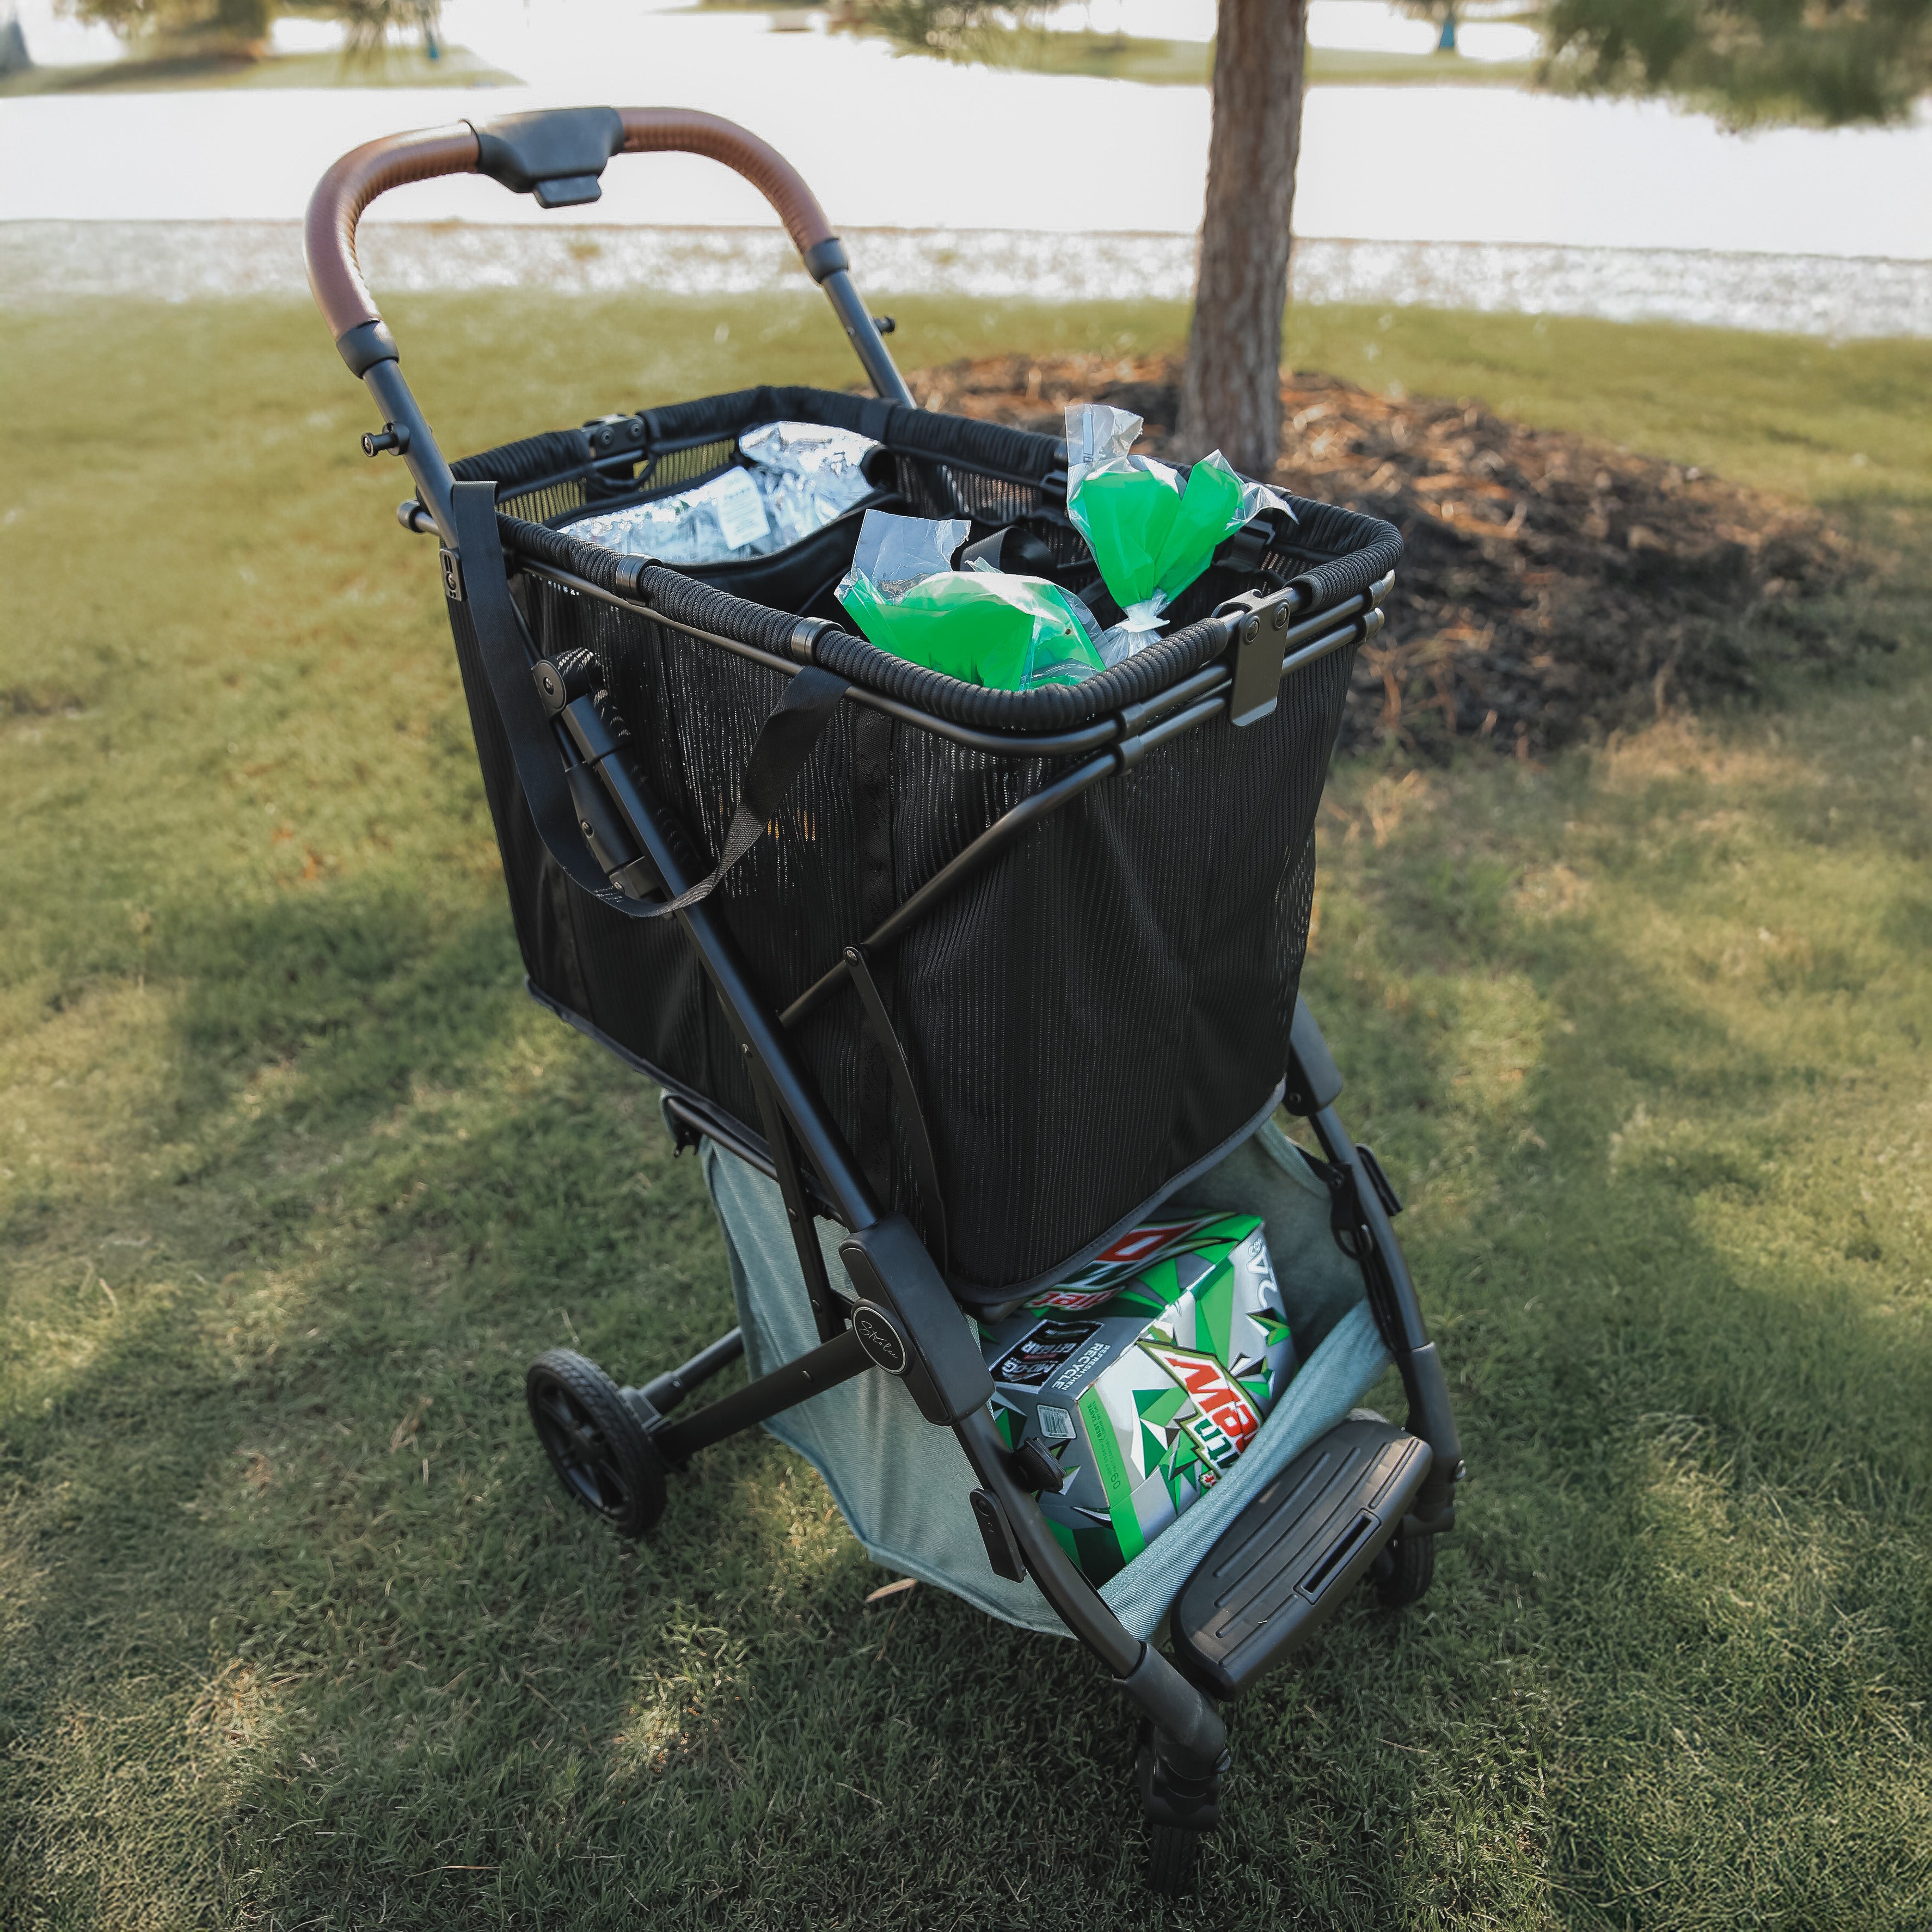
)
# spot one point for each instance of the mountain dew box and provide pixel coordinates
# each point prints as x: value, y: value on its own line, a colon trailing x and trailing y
x: 1144, y: 1376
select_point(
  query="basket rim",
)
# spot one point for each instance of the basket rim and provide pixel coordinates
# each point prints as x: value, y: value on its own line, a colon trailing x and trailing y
x: 1348, y: 550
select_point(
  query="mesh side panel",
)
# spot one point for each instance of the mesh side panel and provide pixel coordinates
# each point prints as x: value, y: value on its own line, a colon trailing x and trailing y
x: 1113, y: 999
x: 1094, y: 1012
x: 549, y: 500
x: 557, y: 453
x: 675, y: 468
x: 939, y: 490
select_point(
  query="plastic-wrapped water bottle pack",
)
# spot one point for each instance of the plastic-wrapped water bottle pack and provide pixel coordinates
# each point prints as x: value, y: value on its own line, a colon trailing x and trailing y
x: 796, y: 479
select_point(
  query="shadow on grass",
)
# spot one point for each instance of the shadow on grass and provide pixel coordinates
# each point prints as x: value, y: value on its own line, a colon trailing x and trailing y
x: 308, y: 1638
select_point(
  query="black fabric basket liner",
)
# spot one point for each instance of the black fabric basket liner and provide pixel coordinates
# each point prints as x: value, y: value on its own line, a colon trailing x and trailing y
x: 1091, y: 1019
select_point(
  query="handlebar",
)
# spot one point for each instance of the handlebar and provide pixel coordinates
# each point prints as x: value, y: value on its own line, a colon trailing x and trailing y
x: 558, y: 156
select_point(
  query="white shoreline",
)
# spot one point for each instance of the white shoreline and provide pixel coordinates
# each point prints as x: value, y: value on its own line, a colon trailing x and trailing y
x: 1832, y: 296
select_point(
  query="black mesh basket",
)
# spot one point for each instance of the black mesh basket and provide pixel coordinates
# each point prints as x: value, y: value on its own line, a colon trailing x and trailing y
x: 1101, y: 1008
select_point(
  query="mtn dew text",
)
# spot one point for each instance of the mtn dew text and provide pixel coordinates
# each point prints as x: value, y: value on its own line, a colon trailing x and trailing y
x: 1144, y: 1376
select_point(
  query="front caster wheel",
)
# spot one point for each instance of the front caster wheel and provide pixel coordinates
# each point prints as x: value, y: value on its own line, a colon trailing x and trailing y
x: 595, y: 1444
x: 1173, y: 1853
x: 1404, y: 1571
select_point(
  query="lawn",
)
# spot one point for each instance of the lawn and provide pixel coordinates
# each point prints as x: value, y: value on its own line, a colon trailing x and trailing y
x: 1149, y: 60
x: 387, y: 67
x: 295, y: 1628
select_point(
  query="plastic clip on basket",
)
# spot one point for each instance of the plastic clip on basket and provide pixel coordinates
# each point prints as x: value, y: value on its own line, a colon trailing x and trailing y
x: 956, y: 984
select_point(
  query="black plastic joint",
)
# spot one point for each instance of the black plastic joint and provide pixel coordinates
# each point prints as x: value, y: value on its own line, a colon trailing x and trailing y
x: 365, y: 345
x: 557, y: 155
x: 826, y: 258
x: 945, y: 1373
x: 620, y: 434
x: 1003, y: 1548
x: 569, y: 675
x: 803, y: 642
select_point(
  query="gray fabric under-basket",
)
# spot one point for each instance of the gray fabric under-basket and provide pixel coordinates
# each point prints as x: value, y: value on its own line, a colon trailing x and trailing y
x: 902, y: 1484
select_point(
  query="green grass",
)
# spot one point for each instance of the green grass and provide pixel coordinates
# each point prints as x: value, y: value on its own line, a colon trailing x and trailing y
x: 295, y: 1629
x: 1152, y: 62
x: 391, y: 67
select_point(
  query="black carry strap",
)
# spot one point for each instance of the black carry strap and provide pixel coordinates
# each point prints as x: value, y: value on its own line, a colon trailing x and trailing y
x: 784, y: 742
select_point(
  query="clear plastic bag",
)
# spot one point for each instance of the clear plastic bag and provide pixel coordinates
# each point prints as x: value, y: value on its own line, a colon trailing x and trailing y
x: 798, y: 478
x: 1151, y: 534
x: 981, y: 625
x: 808, y: 474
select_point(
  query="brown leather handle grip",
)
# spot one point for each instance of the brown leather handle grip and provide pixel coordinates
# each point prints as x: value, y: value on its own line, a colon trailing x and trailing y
x: 651, y: 130
x: 328, y: 229
x: 329, y: 232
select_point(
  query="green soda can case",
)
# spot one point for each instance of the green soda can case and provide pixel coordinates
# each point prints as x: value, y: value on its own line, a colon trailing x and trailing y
x: 1144, y: 1376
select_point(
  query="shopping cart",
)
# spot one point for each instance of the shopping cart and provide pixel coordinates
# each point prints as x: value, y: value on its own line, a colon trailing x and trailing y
x: 949, y: 987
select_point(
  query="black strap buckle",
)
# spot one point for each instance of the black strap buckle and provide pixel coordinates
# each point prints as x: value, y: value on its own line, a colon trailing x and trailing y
x: 1258, y: 621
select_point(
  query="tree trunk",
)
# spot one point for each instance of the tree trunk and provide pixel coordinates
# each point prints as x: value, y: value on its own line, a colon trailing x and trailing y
x: 1231, y: 396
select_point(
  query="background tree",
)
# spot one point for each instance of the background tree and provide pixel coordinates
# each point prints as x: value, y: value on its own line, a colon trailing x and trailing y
x: 367, y: 25
x: 235, y: 23
x: 1230, y: 392
x: 1749, y: 62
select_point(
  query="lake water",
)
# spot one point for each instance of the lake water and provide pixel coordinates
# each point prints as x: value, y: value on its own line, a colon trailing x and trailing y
x: 907, y: 144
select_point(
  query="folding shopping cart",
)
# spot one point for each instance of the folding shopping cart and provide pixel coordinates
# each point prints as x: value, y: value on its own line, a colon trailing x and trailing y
x: 949, y: 987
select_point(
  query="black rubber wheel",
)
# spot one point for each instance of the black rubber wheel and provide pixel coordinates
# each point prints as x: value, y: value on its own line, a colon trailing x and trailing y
x: 1173, y: 1852
x: 596, y: 1445
x: 1404, y: 1569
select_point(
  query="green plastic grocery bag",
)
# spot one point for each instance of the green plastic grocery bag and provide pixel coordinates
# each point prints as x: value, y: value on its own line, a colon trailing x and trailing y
x: 1150, y: 536
x: 984, y: 627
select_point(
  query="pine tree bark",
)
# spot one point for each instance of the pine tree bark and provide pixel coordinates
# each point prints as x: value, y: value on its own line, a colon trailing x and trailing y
x: 1231, y: 394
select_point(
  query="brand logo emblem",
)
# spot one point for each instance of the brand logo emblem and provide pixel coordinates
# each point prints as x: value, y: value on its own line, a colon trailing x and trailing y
x: 1217, y: 1394
x: 878, y: 1335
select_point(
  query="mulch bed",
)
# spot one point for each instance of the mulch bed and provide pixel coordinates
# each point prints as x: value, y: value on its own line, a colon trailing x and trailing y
x: 1554, y: 588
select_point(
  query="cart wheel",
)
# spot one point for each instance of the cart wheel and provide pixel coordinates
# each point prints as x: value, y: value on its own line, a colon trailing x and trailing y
x: 595, y: 1443
x: 1173, y: 1852
x: 1404, y: 1571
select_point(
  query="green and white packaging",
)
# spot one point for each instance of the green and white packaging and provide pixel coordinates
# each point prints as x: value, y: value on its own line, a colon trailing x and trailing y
x: 1151, y: 534
x: 1144, y: 1376
x: 984, y: 627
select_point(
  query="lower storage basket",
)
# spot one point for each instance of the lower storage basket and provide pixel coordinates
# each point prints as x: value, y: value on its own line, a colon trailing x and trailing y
x: 1100, y: 1013
x: 902, y: 1485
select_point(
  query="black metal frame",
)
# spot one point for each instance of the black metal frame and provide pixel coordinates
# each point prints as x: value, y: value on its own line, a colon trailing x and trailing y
x: 900, y: 1315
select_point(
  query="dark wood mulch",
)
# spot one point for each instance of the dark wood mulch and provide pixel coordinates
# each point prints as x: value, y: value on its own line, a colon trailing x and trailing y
x: 1554, y: 588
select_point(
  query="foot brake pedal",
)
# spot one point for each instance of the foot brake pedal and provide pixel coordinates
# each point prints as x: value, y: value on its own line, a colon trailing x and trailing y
x: 1282, y: 1567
